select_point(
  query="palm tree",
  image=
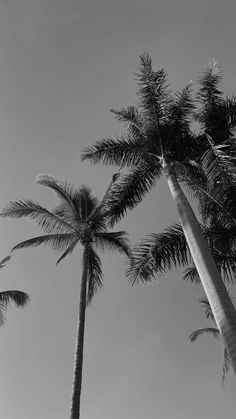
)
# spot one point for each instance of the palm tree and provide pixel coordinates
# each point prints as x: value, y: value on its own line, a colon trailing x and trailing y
x: 78, y: 219
x: 211, y: 331
x: 19, y: 298
x: 158, y: 140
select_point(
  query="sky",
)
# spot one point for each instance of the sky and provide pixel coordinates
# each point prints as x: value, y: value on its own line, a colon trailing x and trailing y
x: 63, y: 65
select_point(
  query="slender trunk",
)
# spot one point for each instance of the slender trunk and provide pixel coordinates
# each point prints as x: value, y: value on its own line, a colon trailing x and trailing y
x: 216, y: 292
x: 78, y: 363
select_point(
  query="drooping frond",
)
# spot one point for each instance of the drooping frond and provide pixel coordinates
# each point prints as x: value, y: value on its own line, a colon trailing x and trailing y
x: 132, y: 188
x: 57, y: 242
x: 19, y: 298
x: 207, y: 308
x: 114, y: 241
x: 191, y: 274
x: 94, y: 282
x: 4, y: 261
x: 68, y: 251
x: 158, y: 253
x: 226, y: 366
x: 47, y: 220
x: 64, y: 190
x: 198, y: 332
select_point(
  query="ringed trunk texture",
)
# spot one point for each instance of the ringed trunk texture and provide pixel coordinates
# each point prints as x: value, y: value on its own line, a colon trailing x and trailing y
x: 78, y: 363
x: 216, y: 292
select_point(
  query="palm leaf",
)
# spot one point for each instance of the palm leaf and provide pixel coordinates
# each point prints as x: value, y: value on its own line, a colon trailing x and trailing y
x: 47, y: 220
x: 153, y: 89
x: 68, y: 251
x: 208, y: 311
x: 64, y: 190
x: 157, y: 253
x: 131, y: 189
x: 19, y: 298
x: 191, y: 274
x: 94, y: 274
x: 117, y: 150
x: 226, y: 366
x: 114, y: 241
x: 132, y: 119
x: 57, y: 242
x: 198, y: 332
x: 181, y: 108
x: 4, y: 261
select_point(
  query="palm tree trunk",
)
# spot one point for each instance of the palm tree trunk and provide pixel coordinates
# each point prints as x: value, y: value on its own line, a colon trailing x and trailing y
x: 78, y: 363
x: 216, y: 292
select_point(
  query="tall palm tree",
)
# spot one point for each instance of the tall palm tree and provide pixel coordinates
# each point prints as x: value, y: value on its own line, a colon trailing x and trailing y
x: 214, y: 331
x: 19, y: 298
x: 158, y: 140
x: 78, y: 219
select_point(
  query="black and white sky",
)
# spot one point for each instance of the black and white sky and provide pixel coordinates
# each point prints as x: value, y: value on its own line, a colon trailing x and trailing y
x: 63, y: 65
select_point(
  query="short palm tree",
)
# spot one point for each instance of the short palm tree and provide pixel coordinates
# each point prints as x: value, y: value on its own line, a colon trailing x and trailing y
x: 78, y: 219
x: 211, y: 331
x: 158, y: 140
x: 19, y: 298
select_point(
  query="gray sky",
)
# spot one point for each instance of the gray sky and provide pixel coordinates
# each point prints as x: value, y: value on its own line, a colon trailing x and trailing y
x: 63, y: 65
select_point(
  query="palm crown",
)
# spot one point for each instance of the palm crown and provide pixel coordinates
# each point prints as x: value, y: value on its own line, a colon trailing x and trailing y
x: 78, y: 219
x: 159, y: 127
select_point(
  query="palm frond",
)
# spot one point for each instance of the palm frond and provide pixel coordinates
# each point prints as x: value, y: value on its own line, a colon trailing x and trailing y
x: 153, y: 89
x: 181, y: 108
x: 209, y: 93
x: 226, y: 366
x: 131, y: 117
x: 64, y: 190
x: 191, y: 274
x: 198, y: 332
x: 131, y: 189
x: 218, y: 165
x: 158, y: 253
x: 94, y: 274
x: 4, y: 261
x: 208, y: 311
x: 57, y: 242
x: 114, y: 241
x: 68, y: 251
x: 116, y: 150
x: 19, y: 298
x: 47, y: 220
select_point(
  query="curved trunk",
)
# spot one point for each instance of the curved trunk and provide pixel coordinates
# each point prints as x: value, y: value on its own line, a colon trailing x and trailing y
x: 216, y: 292
x: 78, y: 363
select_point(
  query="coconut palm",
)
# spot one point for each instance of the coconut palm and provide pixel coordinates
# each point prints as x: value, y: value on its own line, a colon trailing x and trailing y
x: 81, y: 219
x: 214, y: 331
x: 158, y: 140
x: 19, y: 298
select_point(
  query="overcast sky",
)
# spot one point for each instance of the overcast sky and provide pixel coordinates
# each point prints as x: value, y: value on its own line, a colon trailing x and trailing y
x: 63, y: 65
